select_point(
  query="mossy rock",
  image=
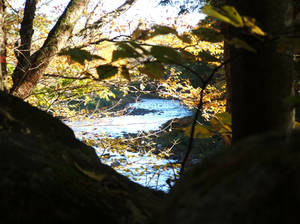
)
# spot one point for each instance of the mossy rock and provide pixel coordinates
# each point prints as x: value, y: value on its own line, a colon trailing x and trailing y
x: 48, y: 176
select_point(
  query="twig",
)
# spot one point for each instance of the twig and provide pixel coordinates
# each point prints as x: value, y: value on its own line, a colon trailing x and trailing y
x: 199, y: 107
x: 68, y: 77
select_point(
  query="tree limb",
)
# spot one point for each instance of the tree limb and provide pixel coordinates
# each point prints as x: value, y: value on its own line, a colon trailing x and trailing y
x: 26, y: 80
x: 26, y: 30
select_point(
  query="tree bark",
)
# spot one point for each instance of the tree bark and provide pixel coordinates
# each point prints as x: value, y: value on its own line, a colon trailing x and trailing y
x: 225, y: 28
x: 262, y: 80
x: 31, y: 67
x: 22, y: 51
x: 3, y: 71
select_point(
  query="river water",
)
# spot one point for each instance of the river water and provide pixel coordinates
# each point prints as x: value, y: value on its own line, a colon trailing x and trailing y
x: 143, y: 168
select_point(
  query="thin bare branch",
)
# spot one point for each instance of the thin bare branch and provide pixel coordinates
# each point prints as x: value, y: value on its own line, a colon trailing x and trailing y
x: 108, y: 17
x: 68, y: 77
x: 199, y: 109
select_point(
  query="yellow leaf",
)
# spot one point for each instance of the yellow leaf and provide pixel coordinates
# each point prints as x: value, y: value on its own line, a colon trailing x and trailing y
x: 156, y: 167
x: 215, y: 124
x: 250, y: 22
x: 297, y: 124
x: 154, y: 70
x: 227, y: 14
x: 234, y: 16
x: 90, y: 174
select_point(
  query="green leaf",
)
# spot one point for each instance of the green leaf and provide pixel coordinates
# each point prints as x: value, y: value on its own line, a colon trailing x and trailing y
x: 238, y: 43
x: 154, y: 70
x: 208, y: 34
x: 207, y: 57
x: 226, y: 14
x: 125, y: 51
x: 166, y: 54
x: 106, y: 71
x: 79, y: 55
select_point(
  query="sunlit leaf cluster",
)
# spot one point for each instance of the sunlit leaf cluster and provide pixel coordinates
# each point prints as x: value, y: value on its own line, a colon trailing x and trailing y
x: 220, y: 124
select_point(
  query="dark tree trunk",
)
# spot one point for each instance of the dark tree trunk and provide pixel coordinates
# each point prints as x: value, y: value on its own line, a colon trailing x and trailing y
x: 262, y: 80
x: 3, y: 70
x: 30, y: 68
x: 225, y: 31
x: 257, y: 181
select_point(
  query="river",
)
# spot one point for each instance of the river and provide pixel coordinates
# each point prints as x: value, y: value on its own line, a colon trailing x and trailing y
x: 143, y: 116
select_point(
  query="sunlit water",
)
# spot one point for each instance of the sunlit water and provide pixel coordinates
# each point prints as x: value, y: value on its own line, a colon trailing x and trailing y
x: 165, y: 110
x: 144, y: 169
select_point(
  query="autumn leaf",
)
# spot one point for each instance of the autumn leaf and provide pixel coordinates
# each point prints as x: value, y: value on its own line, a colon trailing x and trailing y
x: 225, y: 117
x: 226, y: 14
x: 185, y: 38
x: 93, y: 175
x: 166, y: 54
x: 79, y: 55
x: 154, y: 70
x: 125, y: 73
x: 106, y: 71
x: 208, y: 34
x: 230, y: 15
x: 187, y: 56
x: 297, y: 124
x: 207, y: 57
x: 125, y: 51
x: 2, y: 59
x: 233, y: 15
x: 250, y: 22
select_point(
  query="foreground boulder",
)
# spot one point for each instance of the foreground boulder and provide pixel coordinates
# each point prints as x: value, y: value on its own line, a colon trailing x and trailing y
x: 258, y: 181
x: 48, y: 176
